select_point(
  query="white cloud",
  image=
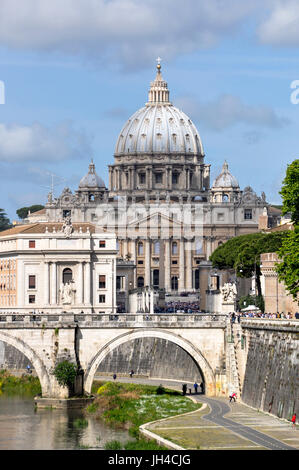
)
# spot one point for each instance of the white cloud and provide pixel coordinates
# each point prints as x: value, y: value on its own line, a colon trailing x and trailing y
x: 281, y: 28
x: 19, y: 143
x: 132, y: 31
x: 229, y: 110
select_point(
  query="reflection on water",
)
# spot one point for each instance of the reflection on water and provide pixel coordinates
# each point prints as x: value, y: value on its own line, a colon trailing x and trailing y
x: 22, y: 427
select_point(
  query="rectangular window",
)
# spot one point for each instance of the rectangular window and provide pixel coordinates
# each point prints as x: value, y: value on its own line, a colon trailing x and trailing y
x: 140, y: 261
x: 220, y: 216
x: 142, y: 178
x: 174, y: 261
x: 158, y: 177
x: 31, y: 243
x: 32, y: 299
x: 102, y: 243
x: 248, y: 214
x: 32, y: 283
x: 175, y: 178
x: 102, y: 282
x: 102, y: 299
x: 120, y: 282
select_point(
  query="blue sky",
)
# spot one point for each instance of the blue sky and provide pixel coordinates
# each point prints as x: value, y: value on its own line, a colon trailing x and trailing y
x: 75, y: 71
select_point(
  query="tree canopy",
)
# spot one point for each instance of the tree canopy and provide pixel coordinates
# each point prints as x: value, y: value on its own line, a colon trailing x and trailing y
x: 23, y: 211
x: 288, y: 268
x: 290, y: 191
x: 242, y: 253
x: 4, y: 221
x: 288, y: 253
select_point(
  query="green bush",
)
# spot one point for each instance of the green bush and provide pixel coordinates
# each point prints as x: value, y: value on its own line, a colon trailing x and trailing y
x: 65, y: 373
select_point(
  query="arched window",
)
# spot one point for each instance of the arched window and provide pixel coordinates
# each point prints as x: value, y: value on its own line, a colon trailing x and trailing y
x: 174, y: 283
x: 225, y: 198
x: 174, y: 248
x: 140, y: 281
x: 140, y: 248
x: 67, y: 275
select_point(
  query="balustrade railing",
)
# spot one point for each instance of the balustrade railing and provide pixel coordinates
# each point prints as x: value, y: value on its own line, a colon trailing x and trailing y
x: 136, y: 318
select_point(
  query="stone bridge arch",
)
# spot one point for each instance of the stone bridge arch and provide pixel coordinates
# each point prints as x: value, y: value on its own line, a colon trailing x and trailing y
x: 33, y: 358
x: 193, y: 351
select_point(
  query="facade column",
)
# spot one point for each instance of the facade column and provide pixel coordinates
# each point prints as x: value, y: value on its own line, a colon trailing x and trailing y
x: 167, y: 265
x: 187, y: 178
x: 133, y: 253
x: 182, y: 266
x: 124, y: 248
x: 87, y: 284
x: 54, y: 284
x: 188, y: 265
x: 81, y: 284
x: 147, y: 280
x: 47, y: 282
x: 21, y: 282
x: 110, y: 179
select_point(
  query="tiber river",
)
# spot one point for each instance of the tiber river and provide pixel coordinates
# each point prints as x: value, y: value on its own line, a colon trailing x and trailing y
x: 22, y: 427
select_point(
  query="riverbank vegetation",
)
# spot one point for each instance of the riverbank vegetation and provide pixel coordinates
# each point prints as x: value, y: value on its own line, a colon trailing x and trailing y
x: 27, y: 384
x: 128, y: 406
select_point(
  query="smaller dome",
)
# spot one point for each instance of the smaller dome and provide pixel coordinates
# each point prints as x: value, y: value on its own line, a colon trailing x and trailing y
x: 225, y: 179
x: 91, y: 180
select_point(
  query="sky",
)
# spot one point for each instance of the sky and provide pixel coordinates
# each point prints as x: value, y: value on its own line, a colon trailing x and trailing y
x: 72, y: 72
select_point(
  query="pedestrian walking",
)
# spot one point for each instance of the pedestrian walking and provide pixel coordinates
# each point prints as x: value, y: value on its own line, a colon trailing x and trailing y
x: 28, y: 369
x: 184, y: 388
x: 294, y: 420
x: 233, y: 396
x: 114, y: 376
x: 195, y: 387
x: 131, y: 373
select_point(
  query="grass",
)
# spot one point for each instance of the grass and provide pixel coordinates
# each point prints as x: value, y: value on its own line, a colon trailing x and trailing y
x: 128, y: 406
x: 137, y: 444
x: 27, y: 384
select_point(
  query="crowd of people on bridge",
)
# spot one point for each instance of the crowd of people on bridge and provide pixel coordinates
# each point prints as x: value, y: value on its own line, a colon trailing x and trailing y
x: 179, y: 307
x: 236, y: 316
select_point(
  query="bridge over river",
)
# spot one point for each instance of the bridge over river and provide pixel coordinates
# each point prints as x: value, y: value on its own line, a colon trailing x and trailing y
x: 258, y: 358
x: 86, y: 340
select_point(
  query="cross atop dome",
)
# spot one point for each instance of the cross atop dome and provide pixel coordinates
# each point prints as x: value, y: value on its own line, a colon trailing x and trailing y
x: 158, y: 93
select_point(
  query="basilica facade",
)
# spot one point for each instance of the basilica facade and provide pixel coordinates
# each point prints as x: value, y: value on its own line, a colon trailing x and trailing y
x: 167, y: 216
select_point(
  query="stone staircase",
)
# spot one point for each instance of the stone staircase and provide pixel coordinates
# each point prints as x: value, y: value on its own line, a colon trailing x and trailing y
x: 233, y: 376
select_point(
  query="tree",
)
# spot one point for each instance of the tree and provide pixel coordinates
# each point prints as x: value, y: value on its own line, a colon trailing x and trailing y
x: 242, y: 253
x: 23, y: 211
x: 290, y: 191
x: 4, y: 221
x: 288, y: 269
x: 288, y: 253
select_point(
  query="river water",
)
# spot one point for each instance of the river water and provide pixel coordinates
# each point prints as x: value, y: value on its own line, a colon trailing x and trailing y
x: 22, y: 427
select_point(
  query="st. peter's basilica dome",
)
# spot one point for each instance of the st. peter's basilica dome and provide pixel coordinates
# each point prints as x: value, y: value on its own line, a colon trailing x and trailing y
x: 159, y: 127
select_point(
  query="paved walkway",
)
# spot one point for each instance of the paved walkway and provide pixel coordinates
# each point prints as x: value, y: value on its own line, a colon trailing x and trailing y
x: 220, y: 425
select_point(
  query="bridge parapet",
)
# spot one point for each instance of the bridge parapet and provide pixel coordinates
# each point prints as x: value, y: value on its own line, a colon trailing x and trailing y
x: 45, y: 320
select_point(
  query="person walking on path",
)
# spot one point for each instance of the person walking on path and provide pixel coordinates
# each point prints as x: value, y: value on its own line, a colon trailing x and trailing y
x: 131, y: 373
x: 195, y: 387
x: 294, y: 420
x: 184, y: 388
x: 233, y: 396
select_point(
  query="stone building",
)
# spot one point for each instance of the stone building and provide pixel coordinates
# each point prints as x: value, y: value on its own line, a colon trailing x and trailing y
x: 167, y: 217
x: 55, y: 267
